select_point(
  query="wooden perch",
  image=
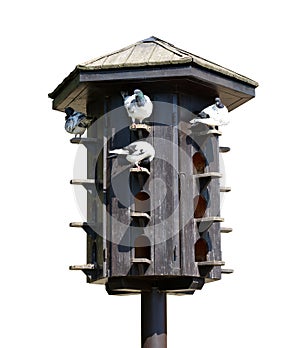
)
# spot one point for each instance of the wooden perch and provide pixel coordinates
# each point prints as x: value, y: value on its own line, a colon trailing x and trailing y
x: 224, y: 149
x: 84, y: 141
x: 135, y: 214
x: 84, y: 182
x: 140, y: 126
x: 142, y: 264
x: 206, y: 222
x: 226, y: 271
x: 225, y: 189
x: 140, y: 170
x: 87, y: 267
x: 141, y: 260
x: 226, y: 229
x: 92, y: 229
x: 206, y: 266
x: 211, y: 263
x: 93, y: 145
x: 211, y: 175
x: 205, y: 178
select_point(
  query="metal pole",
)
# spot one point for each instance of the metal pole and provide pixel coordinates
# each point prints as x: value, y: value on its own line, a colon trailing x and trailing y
x: 154, y: 319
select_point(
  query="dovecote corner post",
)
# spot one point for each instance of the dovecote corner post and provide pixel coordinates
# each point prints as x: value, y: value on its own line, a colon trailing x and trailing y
x: 153, y: 224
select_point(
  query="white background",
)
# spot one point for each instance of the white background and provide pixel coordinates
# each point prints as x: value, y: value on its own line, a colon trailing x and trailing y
x: 43, y: 304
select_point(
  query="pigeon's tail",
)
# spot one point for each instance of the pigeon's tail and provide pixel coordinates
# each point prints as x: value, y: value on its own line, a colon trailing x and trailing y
x: 119, y: 152
x: 124, y: 94
x: 194, y: 122
x: 86, y: 122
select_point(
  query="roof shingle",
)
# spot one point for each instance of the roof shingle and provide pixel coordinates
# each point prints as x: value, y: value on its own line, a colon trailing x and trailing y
x: 155, y: 52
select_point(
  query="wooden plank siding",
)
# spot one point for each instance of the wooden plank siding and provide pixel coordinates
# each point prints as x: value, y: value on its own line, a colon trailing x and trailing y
x: 95, y: 244
x: 171, y: 184
x: 165, y: 181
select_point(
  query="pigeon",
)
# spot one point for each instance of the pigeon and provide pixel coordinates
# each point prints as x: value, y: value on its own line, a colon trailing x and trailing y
x: 76, y: 122
x: 138, y: 106
x: 136, y: 152
x: 213, y: 115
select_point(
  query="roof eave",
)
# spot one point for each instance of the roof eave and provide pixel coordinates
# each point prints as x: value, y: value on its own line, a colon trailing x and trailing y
x: 73, y: 75
x: 205, y: 64
x: 75, y: 85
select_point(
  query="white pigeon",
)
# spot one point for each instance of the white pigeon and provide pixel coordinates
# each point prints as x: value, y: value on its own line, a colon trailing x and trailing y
x: 213, y: 115
x: 136, y: 152
x: 76, y: 122
x: 138, y: 106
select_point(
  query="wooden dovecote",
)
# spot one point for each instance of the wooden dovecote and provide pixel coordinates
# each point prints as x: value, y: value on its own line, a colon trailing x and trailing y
x: 158, y: 226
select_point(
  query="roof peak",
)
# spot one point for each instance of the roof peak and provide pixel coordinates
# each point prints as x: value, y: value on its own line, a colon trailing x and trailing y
x: 150, y: 51
x: 151, y: 39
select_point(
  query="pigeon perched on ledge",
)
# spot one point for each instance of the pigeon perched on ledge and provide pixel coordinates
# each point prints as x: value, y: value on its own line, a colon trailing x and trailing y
x: 213, y: 115
x: 76, y: 122
x: 138, y: 106
x: 136, y: 152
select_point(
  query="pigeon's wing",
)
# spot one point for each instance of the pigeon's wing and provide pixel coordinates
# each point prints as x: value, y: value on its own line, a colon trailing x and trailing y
x: 78, y: 114
x: 70, y: 125
x: 140, y: 100
x: 140, y: 147
x: 132, y: 148
x: 149, y: 105
x: 146, y: 148
x: 85, y: 122
x: 208, y: 111
x: 129, y: 101
x: 224, y: 117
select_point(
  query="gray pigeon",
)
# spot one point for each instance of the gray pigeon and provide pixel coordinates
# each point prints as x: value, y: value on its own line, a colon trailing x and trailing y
x: 76, y: 122
x: 138, y: 106
x: 136, y: 152
x: 213, y: 115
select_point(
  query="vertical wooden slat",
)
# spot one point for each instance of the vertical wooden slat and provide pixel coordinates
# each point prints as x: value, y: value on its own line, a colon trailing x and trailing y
x: 94, y: 213
x: 121, y: 198
x: 189, y: 146
x: 213, y: 209
x: 174, y: 251
x: 164, y: 170
x: 106, y: 208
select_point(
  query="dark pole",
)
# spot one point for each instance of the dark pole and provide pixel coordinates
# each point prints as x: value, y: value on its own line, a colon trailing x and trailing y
x: 154, y: 319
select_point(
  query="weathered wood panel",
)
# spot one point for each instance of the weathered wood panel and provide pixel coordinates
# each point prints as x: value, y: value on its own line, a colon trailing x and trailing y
x: 165, y: 249
x: 170, y: 183
x: 95, y: 243
x: 189, y: 146
x: 120, y: 197
x: 164, y: 187
x: 211, y: 148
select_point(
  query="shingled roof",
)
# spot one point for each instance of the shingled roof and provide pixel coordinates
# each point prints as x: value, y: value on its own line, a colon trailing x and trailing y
x: 148, y: 61
x: 155, y: 52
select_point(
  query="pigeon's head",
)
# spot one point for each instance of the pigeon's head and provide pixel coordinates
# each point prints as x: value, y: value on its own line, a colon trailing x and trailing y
x: 138, y: 92
x: 219, y: 103
x: 69, y: 111
x: 139, y: 97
